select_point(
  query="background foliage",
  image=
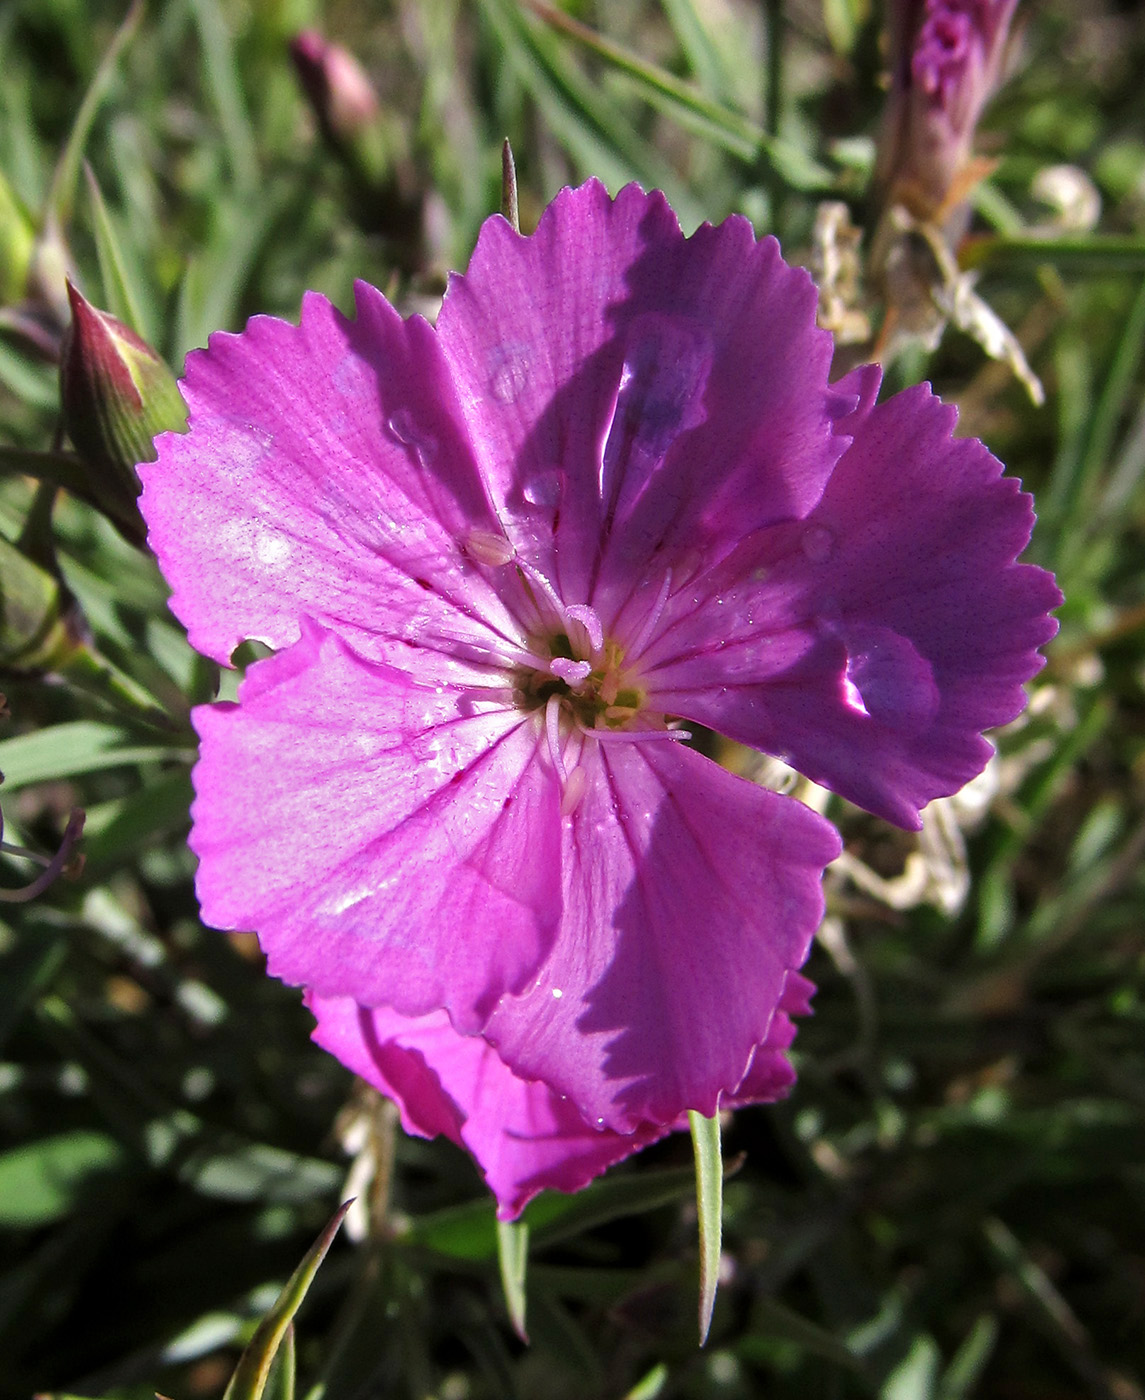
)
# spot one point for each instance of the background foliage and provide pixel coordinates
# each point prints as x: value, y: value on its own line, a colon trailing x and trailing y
x: 952, y: 1203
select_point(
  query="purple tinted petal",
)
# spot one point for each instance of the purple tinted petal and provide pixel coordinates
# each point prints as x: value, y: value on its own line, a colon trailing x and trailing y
x: 871, y: 645
x: 689, y: 895
x: 325, y: 474
x: 524, y: 1137
x: 389, y: 841
x: 634, y: 396
x: 770, y: 1075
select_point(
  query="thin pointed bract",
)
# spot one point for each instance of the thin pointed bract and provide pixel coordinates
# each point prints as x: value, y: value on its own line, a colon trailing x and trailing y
x: 510, y: 209
x: 709, y: 1209
x: 248, y: 1382
x: 513, y: 1261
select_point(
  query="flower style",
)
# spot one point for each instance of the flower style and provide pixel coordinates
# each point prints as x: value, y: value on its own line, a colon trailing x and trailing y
x: 947, y: 60
x: 501, y: 560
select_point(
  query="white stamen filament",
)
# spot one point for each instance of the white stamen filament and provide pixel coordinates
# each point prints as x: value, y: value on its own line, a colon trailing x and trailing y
x: 536, y: 583
x: 553, y: 734
x: 635, y: 647
x: 632, y: 735
x: 571, y: 797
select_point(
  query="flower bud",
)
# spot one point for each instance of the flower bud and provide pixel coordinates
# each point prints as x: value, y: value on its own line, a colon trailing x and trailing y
x: 336, y: 86
x: 947, y: 61
x: 117, y: 395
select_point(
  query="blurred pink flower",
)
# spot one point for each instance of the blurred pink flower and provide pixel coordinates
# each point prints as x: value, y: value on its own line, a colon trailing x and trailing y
x: 336, y: 86
x: 612, y: 487
x: 946, y: 60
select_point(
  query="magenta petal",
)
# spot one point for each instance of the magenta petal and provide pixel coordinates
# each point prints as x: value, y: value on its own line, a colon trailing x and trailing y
x: 872, y: 644
x: 389, y: 841
x: 689, y: 895
x: 324, y: 467
x: 770, y: 1075
x: 525, y: 1137
x: 623, y: 403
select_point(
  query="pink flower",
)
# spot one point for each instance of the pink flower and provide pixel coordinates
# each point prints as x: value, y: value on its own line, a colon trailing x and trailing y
x: 612, y: 487
x: 947, y: 60
x: 336, y: 86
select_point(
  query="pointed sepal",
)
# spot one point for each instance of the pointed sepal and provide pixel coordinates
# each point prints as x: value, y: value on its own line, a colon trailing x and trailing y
x: 249, y: 1381
x: 709, y: 1209
x: 513, y: 1257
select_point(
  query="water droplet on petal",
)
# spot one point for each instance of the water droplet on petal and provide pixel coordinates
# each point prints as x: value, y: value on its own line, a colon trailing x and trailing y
x: 399, y: 425
x: 402, y: 428
x: 817, y: 543
x: 544, y: 489
x: 246, y: 446
x: 508, y: 372
x: 892, y: 682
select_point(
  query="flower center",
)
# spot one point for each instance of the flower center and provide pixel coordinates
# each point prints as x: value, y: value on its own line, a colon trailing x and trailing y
x: 586, y: 676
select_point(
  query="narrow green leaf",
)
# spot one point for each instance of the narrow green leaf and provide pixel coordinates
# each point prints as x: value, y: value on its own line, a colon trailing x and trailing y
x: 513, y: 1258
x: 1114, y: 400
x: 1093, y: 252
x: 34, y: 384
x: 27, y: 966
x: 60, y: 468
x: 118, y: 830
x: 61, y: 194
x: 119, y: 294
x: 81, y: 746
x: 227, y: 1168
x: 772, y: 1319
x: 961, y: 1377
x: 598, y: 134
x: 250, y: 1376
x: 283, y: 1374
x: 40, y: 1181
x: 843, y: 20
x: 216, y: 275
x: 708, y: 118
x: 916, y: 1377
x: 225, y: 87
x: 649, y: 1386
x: 709, y: 1207
x: 611, y: 1198
x: 703, y: 55
x: 469, y: 1231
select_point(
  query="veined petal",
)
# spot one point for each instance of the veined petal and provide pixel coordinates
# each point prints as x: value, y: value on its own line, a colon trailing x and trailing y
x: 770, y: 1075
x: 635, y: 397
x: 872, y: 644
x: 523, y: 1135
x: 325, y: 475
x: 386, y: 840
x: 689, y: 896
